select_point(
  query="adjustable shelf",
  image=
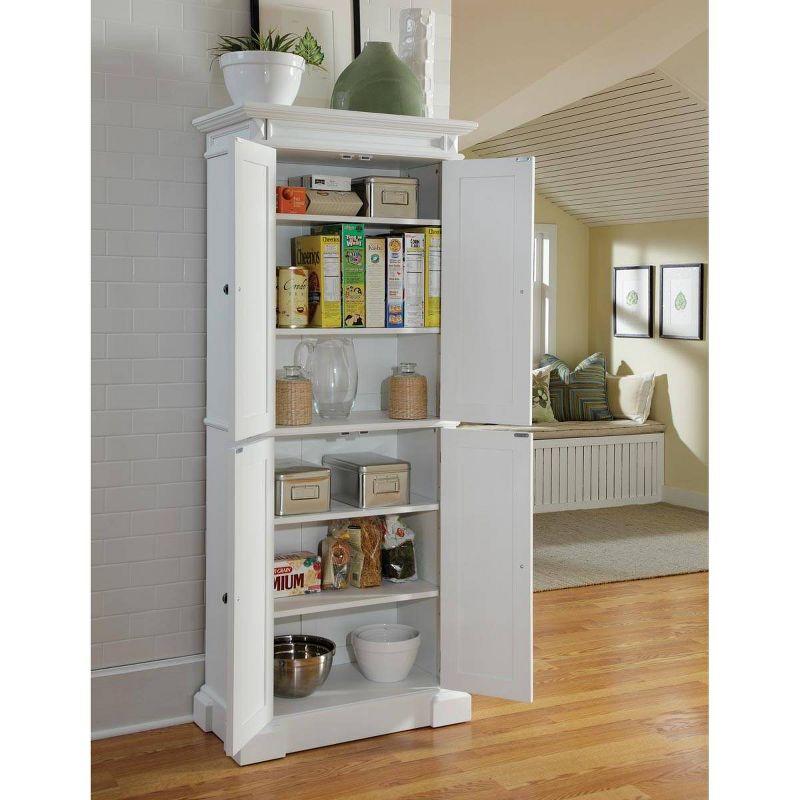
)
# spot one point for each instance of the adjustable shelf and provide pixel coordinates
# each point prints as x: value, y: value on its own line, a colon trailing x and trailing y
x: 369, y: 222
x: 341, y: 599
x: 343, y: 511
x: 357, y: 422
x: 280, y: 332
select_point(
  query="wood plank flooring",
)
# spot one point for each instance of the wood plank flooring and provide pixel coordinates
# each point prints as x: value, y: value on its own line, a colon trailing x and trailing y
x: 620, y: 714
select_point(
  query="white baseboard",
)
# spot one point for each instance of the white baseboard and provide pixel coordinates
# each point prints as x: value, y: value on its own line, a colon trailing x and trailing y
x: 685, y: 497
x: 141, y: 697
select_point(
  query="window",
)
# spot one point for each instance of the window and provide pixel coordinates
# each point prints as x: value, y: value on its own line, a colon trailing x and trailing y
x: 544, y: 285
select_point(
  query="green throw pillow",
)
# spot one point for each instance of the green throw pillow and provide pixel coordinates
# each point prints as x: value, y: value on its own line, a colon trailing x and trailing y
x: 579, y: 395
x: 540, y: 391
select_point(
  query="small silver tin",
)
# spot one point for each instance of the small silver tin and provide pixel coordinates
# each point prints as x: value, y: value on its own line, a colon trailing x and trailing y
x: 388, y: 196
x: 368, y: 480
x: 301, y: 488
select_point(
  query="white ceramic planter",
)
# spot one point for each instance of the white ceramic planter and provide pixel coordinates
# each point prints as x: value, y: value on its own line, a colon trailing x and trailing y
x: 256, y: 76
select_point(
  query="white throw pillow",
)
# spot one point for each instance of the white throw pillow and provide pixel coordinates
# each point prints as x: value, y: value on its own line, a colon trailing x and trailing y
x: 629, y: 396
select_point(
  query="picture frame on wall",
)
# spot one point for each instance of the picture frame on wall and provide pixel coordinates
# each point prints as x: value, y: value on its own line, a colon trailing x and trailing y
x: 332, y: 24
x: 633, y: 302
x: 682, y: 301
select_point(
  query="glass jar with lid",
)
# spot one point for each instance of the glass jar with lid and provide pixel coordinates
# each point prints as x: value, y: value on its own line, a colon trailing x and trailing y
x: 408, y: 393
x: 293, y: 397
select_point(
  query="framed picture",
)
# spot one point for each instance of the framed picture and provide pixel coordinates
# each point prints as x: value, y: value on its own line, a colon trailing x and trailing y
x: 681, y: 301
x: 331, y: 22
x: 633, y: 302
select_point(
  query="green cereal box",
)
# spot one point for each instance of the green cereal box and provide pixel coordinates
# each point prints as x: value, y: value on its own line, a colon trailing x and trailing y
x: 354, y: 307
x: 321, y: 256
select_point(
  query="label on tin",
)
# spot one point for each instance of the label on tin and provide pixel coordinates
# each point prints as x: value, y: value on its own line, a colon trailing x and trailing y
x: 292, y: 297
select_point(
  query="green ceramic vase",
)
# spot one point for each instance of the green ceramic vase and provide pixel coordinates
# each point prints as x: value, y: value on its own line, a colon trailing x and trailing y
x: 378, y: 81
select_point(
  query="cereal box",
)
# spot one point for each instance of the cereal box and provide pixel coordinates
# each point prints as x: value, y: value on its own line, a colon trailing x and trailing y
x: 433, y: 274
x: 413, y: 279
x: 394, y: 281
x: 375, y: 247
x: 354, y: 308
x: 320, y: 255
x: 297, y: 573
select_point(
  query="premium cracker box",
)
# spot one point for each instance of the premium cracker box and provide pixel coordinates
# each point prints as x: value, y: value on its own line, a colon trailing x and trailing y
x: 297, y: 573
x: 413, y: 279
x: 375, y: 248
x: 394, y: 281
x: 433, y: 274
x: 354, y: 309
x: 320, y: 254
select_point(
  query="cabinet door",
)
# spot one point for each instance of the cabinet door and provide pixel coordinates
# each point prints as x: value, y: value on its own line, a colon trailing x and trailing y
x: 250, y: 595
x: 486, y: 563
x: 487, y: 286
x: 254, y: 289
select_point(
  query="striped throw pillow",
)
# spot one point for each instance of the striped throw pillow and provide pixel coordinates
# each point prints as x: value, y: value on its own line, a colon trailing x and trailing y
x: 579, y: 395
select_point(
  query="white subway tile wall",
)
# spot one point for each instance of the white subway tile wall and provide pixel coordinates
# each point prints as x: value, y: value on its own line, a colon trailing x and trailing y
x: 150, y: 78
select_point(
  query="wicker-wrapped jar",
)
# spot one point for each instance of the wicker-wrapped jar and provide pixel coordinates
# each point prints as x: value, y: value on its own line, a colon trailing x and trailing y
x: 408, y: 394
x: 292, y: 398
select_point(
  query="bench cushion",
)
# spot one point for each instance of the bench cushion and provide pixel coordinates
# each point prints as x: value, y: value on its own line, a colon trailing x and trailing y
x: 578, y: 430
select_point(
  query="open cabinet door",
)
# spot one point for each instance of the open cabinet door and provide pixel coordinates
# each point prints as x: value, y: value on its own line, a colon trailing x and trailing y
x: 487, y: 285
x: 486, y: 556
x: 254, y: 289
x: 250, y: 596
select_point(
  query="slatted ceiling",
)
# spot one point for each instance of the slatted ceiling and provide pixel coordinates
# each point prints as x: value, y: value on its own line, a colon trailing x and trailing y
x: 636, y: 152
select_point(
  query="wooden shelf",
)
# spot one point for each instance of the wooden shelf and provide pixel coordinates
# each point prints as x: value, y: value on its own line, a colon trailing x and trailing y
x: 370, y: 222
x: 357, y: 422
x: 347, y: 685
x: 343, y: 511
x: 353, y: 331
x: 341, y: 599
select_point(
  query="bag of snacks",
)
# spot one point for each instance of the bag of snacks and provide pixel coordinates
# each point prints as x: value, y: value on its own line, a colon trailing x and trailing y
x: 365, y: 535
x: 336, y: 556
x: 398, y: 562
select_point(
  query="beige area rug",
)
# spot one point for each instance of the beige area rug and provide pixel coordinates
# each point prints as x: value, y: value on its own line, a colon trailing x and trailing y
x: 605, y: 545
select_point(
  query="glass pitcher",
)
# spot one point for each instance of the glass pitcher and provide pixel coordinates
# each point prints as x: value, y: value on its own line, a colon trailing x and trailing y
x: 331, y: 366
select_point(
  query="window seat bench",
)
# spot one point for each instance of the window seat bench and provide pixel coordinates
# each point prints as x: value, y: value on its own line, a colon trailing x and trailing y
x: 581, y: 465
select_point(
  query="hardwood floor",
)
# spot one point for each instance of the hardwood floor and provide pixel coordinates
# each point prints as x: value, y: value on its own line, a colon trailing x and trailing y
x: 620, y: 714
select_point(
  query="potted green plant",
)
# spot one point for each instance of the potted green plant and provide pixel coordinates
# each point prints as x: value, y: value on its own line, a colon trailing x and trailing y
x: 267, y: 68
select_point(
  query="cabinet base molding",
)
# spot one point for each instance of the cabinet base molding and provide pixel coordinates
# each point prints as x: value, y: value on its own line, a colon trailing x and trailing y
x: 305, y: 730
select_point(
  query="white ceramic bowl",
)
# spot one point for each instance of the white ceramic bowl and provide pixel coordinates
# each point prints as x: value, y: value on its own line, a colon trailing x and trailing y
x: 259, y: 76
x: 385, y: 653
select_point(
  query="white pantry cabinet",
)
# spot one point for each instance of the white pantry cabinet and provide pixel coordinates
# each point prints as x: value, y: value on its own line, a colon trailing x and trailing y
x: 470, y: 504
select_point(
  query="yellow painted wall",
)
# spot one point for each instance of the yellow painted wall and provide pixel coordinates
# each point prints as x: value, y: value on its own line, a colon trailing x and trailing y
x: 572, y: 289
x: 681, y: 395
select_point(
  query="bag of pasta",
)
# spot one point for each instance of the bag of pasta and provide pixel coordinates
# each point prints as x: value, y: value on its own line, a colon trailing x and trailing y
x: 398, y: 561
x: 365, y: 535
x: 337, y: 556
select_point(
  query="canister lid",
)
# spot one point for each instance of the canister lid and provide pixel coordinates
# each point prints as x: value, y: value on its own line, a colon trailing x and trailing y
x: 386, y: 179
x: 286, y: 468
x: 366, y: 462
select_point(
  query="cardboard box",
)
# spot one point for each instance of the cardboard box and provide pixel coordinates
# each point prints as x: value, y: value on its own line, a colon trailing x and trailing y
x: 290, y: 200
x: 336, y: 183
x: 413, y: 279
x: 321, y: 256
x: 297, y: 573
x: 394, y: 281
x: 342, y: 204
x: 433, y: 274
x: 354, y: 307
x: 375, y: 248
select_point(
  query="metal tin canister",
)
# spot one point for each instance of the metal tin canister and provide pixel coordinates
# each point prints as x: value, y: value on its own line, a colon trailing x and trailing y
x: 368, y: 480
x: 292, y: 297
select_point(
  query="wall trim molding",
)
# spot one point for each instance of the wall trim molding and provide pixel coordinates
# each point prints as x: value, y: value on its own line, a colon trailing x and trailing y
x: 686, y: 498
x: 141, y: 697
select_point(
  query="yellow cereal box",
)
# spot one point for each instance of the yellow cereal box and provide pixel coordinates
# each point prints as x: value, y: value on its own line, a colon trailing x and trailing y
x: 320, y: 255
x: 433, y: 275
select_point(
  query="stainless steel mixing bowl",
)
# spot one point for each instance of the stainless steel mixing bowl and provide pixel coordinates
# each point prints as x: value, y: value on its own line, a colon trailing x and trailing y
x: 302, y: 664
